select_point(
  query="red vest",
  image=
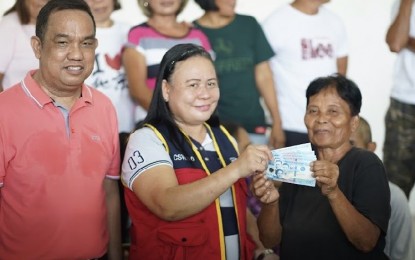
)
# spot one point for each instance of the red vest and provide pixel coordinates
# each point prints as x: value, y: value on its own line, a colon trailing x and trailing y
x: 197, y: 237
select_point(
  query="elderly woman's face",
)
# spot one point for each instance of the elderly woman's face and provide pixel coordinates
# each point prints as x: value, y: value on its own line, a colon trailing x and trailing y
x: 192, y: 92
x: 328, y: 120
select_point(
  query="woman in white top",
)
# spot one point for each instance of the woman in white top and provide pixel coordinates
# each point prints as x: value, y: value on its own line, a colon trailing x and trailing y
x: 16, y: 55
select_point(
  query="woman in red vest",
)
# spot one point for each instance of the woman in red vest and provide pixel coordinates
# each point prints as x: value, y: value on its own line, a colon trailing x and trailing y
x: 184, y: 183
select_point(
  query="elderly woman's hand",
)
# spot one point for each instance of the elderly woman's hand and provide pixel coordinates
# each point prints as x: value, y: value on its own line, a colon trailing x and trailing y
x: 264, y: 189
x: 326, y: 174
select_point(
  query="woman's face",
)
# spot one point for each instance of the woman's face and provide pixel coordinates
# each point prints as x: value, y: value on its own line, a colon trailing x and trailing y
x: 34, y: 6
x: 328, y: 120
x: 192, y: 93
x: 226, y: 7
x: 164, y: 7
x: 102, y: 10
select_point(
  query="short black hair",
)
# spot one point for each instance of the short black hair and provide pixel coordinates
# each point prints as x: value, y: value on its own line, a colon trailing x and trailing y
x: 207, y: 5
x: 58, y: 5
x: 346, y: 88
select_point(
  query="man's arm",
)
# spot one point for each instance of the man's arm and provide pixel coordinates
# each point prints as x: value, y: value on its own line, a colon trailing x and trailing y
x: 397, y: 36
x: 112, y: 197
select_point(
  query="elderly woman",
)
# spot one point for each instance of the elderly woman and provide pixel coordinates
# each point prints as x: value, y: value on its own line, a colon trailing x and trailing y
x: 346, y: 215
x: 185, y: 197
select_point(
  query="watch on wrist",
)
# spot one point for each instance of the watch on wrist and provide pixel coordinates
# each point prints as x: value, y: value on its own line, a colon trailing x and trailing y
x: 264, y: 253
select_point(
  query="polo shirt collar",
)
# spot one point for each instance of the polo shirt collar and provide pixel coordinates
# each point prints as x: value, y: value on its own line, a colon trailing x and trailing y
x: 35, y: 92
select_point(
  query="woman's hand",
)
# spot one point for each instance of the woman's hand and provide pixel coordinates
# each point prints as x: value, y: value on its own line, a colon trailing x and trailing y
x: 254, y: 159
x: 265, y: 254
x: 326, y: 174
x: 264, y: 189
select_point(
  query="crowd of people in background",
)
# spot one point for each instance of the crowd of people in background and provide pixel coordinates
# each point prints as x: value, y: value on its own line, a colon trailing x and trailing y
x: 151, y: 141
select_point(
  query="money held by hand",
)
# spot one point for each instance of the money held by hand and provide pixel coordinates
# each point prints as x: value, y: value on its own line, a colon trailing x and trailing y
x: 292, y: 165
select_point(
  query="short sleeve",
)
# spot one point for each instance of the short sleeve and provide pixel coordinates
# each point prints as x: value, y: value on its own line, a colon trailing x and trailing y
x: 371, y: 193
x: 263, y: 49
x: 144, y: 151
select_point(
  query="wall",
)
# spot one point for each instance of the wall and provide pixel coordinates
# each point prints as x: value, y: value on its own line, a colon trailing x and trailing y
x: 370, y: 62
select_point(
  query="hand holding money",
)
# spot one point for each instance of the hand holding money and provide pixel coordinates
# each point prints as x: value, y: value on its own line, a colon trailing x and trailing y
x: 253, y: 160
x: 326, y: 174
x: 264, y: 189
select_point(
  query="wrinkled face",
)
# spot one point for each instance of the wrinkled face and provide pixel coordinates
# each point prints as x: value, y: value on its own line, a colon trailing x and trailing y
x: 328, y: 120
x: 226, y: 7
x: 164, y: 7
x: 66, y: 55
x: 192, y: 92
x: 34, y: 7
x: 101, y: 9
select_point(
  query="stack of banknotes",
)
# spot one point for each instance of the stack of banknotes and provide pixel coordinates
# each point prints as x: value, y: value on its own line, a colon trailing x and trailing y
x: 292, y: 164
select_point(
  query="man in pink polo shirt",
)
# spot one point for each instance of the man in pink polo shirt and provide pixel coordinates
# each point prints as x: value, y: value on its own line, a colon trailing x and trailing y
x: 59, y: 150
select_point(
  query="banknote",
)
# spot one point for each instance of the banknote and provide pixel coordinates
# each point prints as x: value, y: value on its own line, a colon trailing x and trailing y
x: 292, y: 164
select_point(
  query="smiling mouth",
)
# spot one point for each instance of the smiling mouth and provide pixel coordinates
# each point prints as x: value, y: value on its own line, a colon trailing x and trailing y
x: 203, y: 107
x: 167, y: 4
x: 74, y: 68
x: 100, y: 10
x: 321, y: 131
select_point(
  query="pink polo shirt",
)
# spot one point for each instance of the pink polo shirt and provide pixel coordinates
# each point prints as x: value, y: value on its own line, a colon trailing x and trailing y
x: 52, y: 199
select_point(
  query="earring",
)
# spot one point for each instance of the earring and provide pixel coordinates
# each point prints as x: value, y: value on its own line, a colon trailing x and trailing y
x: 145, y: 4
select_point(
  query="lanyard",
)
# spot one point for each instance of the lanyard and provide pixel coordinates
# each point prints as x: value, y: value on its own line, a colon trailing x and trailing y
x: 197, y: 153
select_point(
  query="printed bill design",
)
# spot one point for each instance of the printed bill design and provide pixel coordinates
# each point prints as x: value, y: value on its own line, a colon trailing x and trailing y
x: 292, y: 165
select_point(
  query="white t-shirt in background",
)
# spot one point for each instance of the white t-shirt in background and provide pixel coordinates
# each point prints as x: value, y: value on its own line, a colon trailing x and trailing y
x: 306, y: 47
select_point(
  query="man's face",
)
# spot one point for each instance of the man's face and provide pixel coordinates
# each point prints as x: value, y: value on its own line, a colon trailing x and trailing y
x: 67, y: 51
